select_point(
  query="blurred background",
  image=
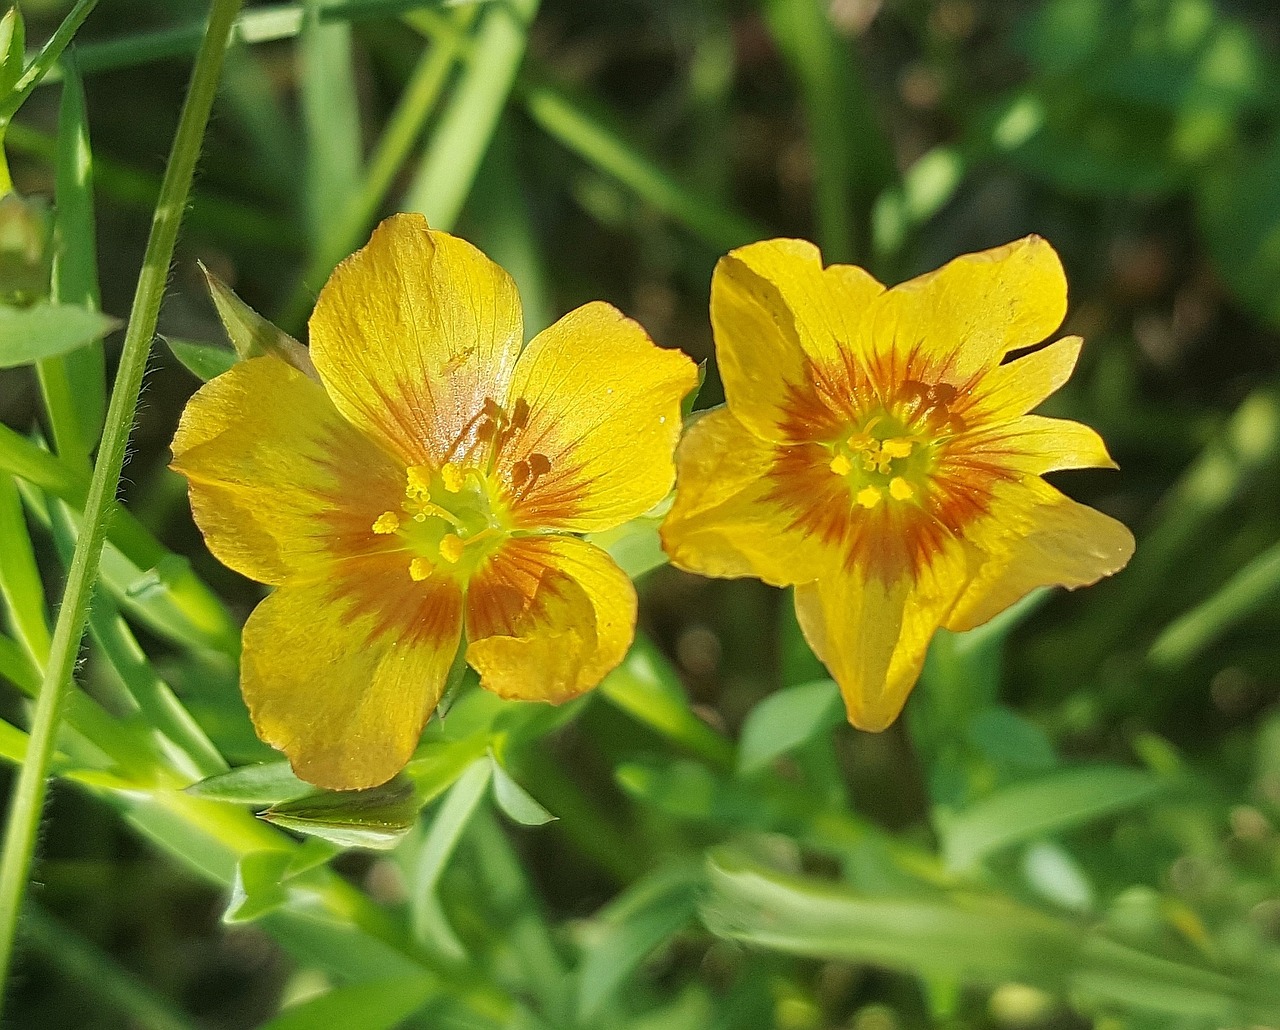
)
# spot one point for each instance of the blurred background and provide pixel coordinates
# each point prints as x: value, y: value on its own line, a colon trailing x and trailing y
x: 1098, y: 775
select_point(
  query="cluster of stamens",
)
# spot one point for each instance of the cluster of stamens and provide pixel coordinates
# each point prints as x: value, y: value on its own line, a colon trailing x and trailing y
x: 450, y: 513
x: 891, y: 454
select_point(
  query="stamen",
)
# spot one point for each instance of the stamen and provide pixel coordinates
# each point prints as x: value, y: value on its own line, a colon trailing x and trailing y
x: 386, y: 523
x: 869, y: 497
x: 896, y: 448
x: 419, y: 481
x: 451, y: 548
x: 452, y: 477
x: 420, y: 569
x: 900, y: 489
x: 841, y: 465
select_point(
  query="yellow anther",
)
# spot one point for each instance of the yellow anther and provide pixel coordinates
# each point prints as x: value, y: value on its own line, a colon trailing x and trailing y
x: 419, y: 481
x: 451, y: 548
x: 387, y: 523
x: 420, y: 569
x: 896, y: 448
x: 869, y: 497
x: 452, y: 477
x: 900, y: 489
x: 841, y: 465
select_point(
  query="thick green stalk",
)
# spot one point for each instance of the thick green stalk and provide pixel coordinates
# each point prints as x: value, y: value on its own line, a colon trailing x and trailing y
x: 28, y: 797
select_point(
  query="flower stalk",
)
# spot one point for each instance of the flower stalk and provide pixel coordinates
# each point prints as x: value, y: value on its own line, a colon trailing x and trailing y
x: 28, y: 796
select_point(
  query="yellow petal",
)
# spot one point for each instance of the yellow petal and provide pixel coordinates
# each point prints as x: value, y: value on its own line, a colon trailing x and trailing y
x: 776, y: 315
x: 342, y: 672
x: 972, y: 311
x: 1014, y: 388
x: 872, y: 635
x: 1034, y: 444
x: 412, y: 334
x: 547, y: 618
x: 724, y: 521
x: 1036, y: 537
x: 603, y: 418
x: 279, y: 481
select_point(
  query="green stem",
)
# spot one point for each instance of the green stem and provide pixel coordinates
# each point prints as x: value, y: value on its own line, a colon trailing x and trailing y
x: 28, y: 797
x: 45, y: 60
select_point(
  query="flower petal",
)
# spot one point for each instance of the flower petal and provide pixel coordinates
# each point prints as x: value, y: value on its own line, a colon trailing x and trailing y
x: 342, y: 672
x: 1016, y: 387
x: 603, y: 418
x: 279, y: 481
x: 547, y: 618
x: 412, y: 334
x: 776, y: 313
x: 872, y: 634
x: 972, y: 311
x: 1034, y: 445
x: 724, y: 522
x: 1037, y: 537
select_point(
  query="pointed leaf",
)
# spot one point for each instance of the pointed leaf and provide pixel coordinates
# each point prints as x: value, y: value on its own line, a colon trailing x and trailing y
x: 258, y: 887
x: 1046, y: 805
x: 375, y: 1005
x: 251, y: 334
x: 205, y: 361
x: 375, y: 819
x: 787, y: 719
x: 516, y: 802
x: 46, y: 330
x: 266, y: 783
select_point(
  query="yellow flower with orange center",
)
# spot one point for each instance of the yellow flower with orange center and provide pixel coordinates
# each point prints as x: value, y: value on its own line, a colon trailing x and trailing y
x: 429, y: 479
x: 876, y: 452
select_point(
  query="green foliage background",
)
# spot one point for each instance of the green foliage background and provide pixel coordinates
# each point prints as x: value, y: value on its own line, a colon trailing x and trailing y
x: 1076, y: 823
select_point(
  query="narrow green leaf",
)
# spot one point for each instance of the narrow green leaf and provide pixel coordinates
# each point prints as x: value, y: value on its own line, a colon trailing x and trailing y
x: 974, y: 938
x: 1050, y: 804
x: 458, y: 143
x: 250, y: 333
x: 516, y: 803
x: 74, y: 384
x: 267, y: 783
x: 47, y: 330
x: 330, y: 115
x: 441, y: 840
x: 205, y: 361
x: 648, y: 689
x: 258, y: 887
x: 377, y: 1005
x: 613, y: 152
x: 647, y: 915
x: 13, y: 46
x: 1240, y: 597
x: 785, y: 720
x: 376, y: 819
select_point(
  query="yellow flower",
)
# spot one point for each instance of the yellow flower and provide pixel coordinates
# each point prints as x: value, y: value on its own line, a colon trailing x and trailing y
x: 876, y: 452
x: 430, y: 479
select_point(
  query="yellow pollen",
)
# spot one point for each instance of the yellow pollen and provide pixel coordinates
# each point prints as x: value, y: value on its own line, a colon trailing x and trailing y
x: 900, y: 489
x: 841, y: 465
x: 387, y: 523
x: 419, y: 481
x: 419, y: 569
x: 896, y: 448
x: 869, y: 497
x: 451, y: 548
x: 452, y: 477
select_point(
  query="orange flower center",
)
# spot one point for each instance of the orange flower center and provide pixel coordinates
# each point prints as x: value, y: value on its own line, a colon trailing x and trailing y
x: 453, y: 518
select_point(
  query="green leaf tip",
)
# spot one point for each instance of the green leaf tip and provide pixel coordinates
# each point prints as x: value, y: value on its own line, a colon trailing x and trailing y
x: 251, y: 334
